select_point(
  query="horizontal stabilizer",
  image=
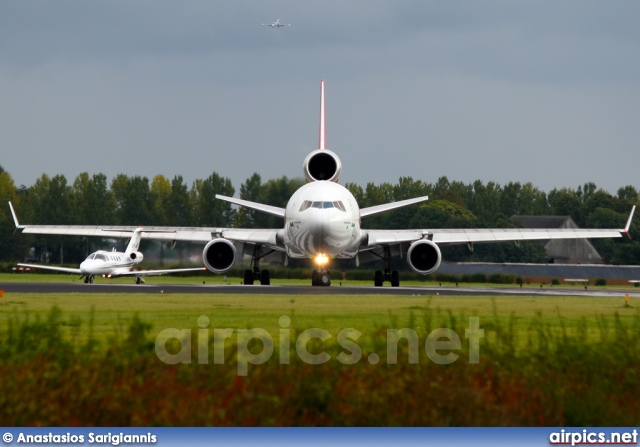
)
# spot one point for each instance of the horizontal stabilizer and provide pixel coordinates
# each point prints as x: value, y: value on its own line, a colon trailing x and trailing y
x: 364, y: 212
x: 274, y: 210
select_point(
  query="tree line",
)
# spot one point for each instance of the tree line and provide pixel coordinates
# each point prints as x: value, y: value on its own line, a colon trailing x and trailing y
x: 134, y: 200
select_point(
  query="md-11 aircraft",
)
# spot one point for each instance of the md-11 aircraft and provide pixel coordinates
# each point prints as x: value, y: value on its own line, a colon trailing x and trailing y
x: 111, y: 264
x: 322, y: 221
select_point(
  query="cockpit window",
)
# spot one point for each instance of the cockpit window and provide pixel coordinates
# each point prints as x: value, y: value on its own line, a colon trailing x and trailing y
x: 100, y: 257
x: 90, y: 257
x: 322, y: 205
x: 306, y: 204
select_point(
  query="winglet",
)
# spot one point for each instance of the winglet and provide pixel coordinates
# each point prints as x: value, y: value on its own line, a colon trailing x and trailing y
x: 15, y: 218
x: 628, y: 225
x: 322, y: 143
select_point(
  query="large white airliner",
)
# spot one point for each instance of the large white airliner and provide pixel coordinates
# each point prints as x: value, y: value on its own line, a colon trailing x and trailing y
x: 322, y: 221
x: 111, y: 264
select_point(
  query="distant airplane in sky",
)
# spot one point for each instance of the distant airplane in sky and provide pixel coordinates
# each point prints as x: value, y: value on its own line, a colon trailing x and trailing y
x: 276, y: 24
x: 111, y: 264
x: 321, y: 222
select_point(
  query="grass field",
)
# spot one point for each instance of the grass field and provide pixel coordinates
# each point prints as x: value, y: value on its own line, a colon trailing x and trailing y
x: 89, y: 359
x: 366, y: 313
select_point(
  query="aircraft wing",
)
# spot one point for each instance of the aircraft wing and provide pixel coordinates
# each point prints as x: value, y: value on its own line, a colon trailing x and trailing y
x: 479, y: 235
x: 158, y: 272
x: 177, y: 234
x: 50, y: 267
x: 465, y: 236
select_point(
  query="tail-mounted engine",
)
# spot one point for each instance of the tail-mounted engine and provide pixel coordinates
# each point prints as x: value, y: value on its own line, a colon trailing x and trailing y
x: 219, y: 255
x: 322, y: 164
x: 424, y: 257
x: 136, y: 257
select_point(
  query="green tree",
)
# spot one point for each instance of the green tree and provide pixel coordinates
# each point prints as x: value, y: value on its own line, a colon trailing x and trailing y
x: 276, y: 192
x: 51, y: 201
x: 207, y: 210
x: 13, y: 246
x: 249, y: 190
x: 160, y: 196
x: 565, y: 202
x: 179, y: 204
x: 93, y: 202
x: 134, y: 204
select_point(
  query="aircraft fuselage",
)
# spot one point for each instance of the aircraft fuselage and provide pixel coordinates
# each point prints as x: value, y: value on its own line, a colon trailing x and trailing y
x: 106, y: 263
x: 322, y: 218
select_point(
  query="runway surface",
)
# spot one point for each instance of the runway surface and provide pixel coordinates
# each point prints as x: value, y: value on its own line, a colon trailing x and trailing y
x: 309, y: 290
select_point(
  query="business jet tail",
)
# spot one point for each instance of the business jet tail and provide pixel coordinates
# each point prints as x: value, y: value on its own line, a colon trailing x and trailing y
x: 134, y: 243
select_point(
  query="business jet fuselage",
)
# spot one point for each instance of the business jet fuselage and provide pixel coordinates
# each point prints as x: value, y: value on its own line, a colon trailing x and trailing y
x: 111, y: 264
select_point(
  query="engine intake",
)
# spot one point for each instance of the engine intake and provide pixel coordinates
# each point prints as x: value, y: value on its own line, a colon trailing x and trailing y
x: 219, y: 255
x: 136, y: 257
x: 424, y: 257
x: 322, y: 165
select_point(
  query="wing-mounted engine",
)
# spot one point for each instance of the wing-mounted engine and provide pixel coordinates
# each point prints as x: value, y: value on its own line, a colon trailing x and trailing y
x: 424, y: 257
x: 219, y: 255
x: 321, y: 165
x: 136, y: 257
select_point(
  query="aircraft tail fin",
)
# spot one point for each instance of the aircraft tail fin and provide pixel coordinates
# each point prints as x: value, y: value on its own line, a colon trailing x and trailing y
x: 134, y: 243
x: 322, y: 143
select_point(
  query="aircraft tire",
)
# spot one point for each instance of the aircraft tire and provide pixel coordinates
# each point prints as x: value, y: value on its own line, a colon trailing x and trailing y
x: 324, y: 279
x: 265, y: 278
x: 395, y: 279
x: 248, y: 277
x: 378, y: 278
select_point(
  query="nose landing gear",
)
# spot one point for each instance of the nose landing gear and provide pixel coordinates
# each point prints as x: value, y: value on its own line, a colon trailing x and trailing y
x: 320, y: 278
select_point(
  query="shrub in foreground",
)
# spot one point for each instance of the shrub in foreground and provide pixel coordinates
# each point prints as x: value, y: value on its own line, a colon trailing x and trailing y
x: 552, y: 378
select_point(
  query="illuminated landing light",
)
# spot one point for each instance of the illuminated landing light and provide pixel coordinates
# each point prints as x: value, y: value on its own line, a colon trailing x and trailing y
x: 321, y: 259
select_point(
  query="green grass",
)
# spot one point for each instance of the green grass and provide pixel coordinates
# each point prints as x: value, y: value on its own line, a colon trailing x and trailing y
x: 366, y: 313
x: 89, y: 359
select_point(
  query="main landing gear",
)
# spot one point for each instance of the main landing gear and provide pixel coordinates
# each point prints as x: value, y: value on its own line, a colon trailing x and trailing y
x: 256, y: 274
x: 320, y: 278
x: 139, y: 280
x: 388, y: 275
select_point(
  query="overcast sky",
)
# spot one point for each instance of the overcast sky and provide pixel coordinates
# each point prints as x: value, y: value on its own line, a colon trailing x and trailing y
x: 546, y: 92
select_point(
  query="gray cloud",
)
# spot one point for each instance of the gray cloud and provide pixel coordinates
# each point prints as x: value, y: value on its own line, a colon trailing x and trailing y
x: 545, y: 92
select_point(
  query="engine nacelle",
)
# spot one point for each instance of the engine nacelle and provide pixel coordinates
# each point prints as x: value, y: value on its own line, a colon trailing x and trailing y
x: 322, y: 165
x: 136, y: 257
x: 219, y: 255
x: 424, y: 257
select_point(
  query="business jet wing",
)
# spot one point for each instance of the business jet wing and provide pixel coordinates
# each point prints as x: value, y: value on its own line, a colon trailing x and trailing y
x: 50, y: 267
x: 376, y: 238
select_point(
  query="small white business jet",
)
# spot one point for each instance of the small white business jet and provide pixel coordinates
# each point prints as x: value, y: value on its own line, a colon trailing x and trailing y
x: 111, y: 264
x: 322, y: 221
x: 276, y: 24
